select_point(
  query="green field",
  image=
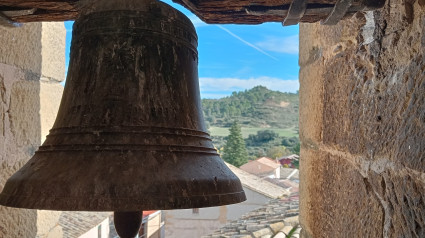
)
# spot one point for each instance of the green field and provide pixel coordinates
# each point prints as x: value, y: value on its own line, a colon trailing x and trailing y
x: 224, y: 131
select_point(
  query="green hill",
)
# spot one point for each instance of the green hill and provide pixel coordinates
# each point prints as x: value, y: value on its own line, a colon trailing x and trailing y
x: 258, y: 107
x: 269, y: 120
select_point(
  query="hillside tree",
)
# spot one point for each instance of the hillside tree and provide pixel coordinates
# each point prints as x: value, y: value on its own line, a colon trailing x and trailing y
x: 277, y: 152
x: 234, y: 151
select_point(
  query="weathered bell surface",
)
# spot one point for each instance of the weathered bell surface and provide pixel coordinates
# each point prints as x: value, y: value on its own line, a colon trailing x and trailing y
x: 129, y: 135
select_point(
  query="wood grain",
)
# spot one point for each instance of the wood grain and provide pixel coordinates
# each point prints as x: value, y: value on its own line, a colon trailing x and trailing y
x: 210, y: 11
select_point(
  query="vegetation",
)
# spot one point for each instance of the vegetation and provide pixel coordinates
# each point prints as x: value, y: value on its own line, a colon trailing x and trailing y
x: 277, y: 152
x: 268, y: 119
x: 258, y: 107
x: 246, y: 131
x: 257, y: 147
x: 234, y: 151
x: 262, y: 137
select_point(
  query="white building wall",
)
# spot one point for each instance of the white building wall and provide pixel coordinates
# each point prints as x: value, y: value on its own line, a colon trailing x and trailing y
x: 277, y: 173
x: 155, y: 225
x: 185, y: 223
x: 94, y: 232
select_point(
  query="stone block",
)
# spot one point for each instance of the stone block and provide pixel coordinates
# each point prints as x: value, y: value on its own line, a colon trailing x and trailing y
x: 401, y: 193
x: 50, y: 95
x: 311, y: 112
x: 16, y: 222
x: 287, y: 229
x: 21, y: 47
x: 262, y: 232
x: 53, y: 51
x: 276, y: 226
x: 242, y: 236
x: 55, y: 232
x: 337, y: 199
x: 363, y: 87
x: 280, y: 235
x: 292, y: 221
x: 372, y: 98
x: 24, y: 117
x: 19, y: 137
x: 254, y: 227
x: 47, y: 224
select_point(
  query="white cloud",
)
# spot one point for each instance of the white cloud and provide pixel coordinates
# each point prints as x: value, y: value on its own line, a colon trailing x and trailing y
x: 218, y: 85
x: 288, y: 45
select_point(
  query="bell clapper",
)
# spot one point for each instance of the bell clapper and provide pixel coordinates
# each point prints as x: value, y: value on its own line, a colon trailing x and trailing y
x: 127, y: 224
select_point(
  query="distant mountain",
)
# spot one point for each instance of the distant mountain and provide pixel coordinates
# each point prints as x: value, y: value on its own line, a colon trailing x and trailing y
x: 257, y: 107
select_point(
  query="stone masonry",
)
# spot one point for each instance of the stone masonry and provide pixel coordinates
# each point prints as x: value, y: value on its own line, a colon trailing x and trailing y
x: 32, y: 64
x: 362, y: 124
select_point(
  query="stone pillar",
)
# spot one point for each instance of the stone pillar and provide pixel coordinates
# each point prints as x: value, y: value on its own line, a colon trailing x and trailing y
x: 362, y: 124
x: 32, y: 65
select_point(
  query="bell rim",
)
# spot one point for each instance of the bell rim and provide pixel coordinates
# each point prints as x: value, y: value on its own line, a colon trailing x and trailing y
x: 121, y: 204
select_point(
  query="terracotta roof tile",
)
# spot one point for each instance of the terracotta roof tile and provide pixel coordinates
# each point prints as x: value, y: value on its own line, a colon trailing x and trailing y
x: 261, y: 166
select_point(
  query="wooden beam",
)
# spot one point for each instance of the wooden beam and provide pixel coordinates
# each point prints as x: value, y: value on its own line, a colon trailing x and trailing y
x: 210, y: 11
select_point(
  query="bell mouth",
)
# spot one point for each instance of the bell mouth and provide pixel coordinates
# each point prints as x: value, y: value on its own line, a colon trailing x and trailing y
x: 121, y: 179
x: 123, y: 204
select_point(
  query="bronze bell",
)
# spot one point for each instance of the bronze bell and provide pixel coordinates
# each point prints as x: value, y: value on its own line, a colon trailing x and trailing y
x: 130, y: 134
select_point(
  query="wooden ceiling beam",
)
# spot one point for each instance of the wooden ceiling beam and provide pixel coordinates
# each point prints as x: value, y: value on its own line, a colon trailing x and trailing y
x: 210, y: 11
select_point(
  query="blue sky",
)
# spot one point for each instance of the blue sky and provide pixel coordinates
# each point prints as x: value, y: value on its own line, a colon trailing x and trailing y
x: 239, y: 57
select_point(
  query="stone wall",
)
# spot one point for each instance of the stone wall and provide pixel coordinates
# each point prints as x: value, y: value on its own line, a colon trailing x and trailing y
x: 362, y: 124
x: 32, y: 64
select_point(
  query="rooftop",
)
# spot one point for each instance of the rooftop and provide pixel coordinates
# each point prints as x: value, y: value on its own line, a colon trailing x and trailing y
x: 289, y: 173
x: 261, y: 166
x: 277, y: 216
x: 258, y: 184
x: 294, y: 156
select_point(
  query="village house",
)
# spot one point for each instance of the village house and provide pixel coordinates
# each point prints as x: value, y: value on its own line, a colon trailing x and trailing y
x: 263, y: 167
x: 152, y: 225
x: 289, y: 161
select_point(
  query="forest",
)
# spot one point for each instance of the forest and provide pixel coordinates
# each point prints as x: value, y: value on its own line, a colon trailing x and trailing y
x: 257, y: 107
x: 268, y: 121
